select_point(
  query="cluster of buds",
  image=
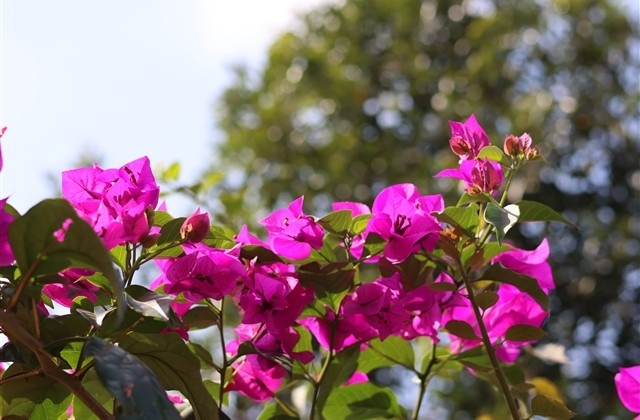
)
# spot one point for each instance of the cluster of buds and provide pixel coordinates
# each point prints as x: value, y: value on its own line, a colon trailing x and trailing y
x: 520, y: 147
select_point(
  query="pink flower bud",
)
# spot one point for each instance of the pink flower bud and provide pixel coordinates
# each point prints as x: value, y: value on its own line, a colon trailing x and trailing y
x: 196, y: 227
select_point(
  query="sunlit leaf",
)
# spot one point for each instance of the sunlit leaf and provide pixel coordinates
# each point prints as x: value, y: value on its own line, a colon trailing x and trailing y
x: 541, y: 405
x: 532, y: 211
x: 363, y: 401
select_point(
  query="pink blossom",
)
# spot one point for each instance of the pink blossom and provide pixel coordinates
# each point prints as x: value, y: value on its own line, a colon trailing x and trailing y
x: 468, y: 138
x: 274, y: 301
x: 530, y: 263
x: 203, y: 273
x: 402, y: 217
x: 2, y: 131
x: 6, y: 253
x: 479, y: 176
x: 292, y: 234
x: 71, y: 284
x: 520, y: 146
x: 116, y: 202
x: 267, y: 343
x: 245, y: 238
x: 256, y: 377
x: 337, y: 333
x: 357, y: 378
x: 196, y: 227
x: 627, y: 382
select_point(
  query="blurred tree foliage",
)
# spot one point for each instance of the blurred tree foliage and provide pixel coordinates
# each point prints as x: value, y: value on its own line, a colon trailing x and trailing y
x: 358, y: 95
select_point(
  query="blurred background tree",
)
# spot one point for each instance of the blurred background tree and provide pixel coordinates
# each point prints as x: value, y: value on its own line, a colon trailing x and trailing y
x: 358, y: 96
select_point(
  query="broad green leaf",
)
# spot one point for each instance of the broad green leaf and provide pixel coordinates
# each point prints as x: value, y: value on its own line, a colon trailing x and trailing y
x: 92, y: 384
x: 148, y: 303
x: 202, y: 354
x: 337, y: 221
x: 396, y: 349
x: 170, y: 231
x: 546, y: 387
x: 131, y: 382
x: 71, y: 353
x: 172, y: 172
x: 541, y: 405
x: 524, y: 283
x: 373, y: 245
x: 360, y: 223
x: 275, y: 412
x: 465, y: 217
x: 371, y: 359
x: 466, y: 199
x: 524, y: 332
x: 339, y: 371
x: 486, y: 299
x: 200, y: 317
x: 493, y: 153
x: 35, y: 246
x: 461, y: 329
x: 331, y: 278
x: 161, y: 218
x: 502, y: 219
x: 119, y: 256
x: 363, y: 401
x: 176, y: 367
x: 33, y: 397
x: 532, y: 211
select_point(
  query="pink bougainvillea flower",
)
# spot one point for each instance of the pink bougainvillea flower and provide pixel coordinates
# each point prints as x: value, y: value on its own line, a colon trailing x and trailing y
x: 116, y: 202
x: 256, y: 377
x: 245, y: 238
x: 338, y: 333
x: 513, y: 307
x: 379, y: 304
x: 196, y: 227
x: 267, y: 343
x: 627, y: 382
x: 292, y: 234
x: 530, y: 263
x: 357, y: 378
x: 71, y: 285
x: 403, y: 218
x: 468, y: 138
x: 203, y: 273
x: 6, y: 253
x: 273, y: 301
x: 479, y: 176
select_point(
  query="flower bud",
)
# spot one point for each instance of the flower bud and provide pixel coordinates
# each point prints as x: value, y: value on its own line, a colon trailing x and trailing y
x: 196, y: 227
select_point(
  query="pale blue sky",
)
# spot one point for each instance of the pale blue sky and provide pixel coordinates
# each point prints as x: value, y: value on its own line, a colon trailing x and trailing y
x: 121, y: 78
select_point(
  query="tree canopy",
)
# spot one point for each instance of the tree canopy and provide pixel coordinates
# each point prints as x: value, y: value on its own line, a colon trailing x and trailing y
x: 358, y: 97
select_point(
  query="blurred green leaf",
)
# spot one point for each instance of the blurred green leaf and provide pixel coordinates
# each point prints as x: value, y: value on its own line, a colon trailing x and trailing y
x: 541, y: 405
x: 363, y: 401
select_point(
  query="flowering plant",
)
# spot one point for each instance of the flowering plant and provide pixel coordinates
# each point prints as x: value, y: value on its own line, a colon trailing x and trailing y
x: 315, y: 307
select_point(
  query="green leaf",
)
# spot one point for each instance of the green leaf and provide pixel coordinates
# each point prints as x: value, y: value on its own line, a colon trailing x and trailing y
x: 526, y: 284
x: 465, y: 217
x: 337, y: 221
x: 541, y: 405
x: 71, y: 353
x: 202, y: 354
x: 374, y: 244
x: 170, y: 231
x: 486, y: 299
x: 466, y: 199
x: 396, y: 349
x: 524, y: 332
x: 502, y: 219
x: 461, y: 329
x: 330, y: 278
x: 172, y: 173
x: 493, y: 153
x: 363, y: 401
x: 275, y: 412
x: 131, y: 382
x: 200, y: 317
x: 34, y: 397
x: 177, y: 368
x: 339, y: 371
x: 35, y: 246
x: 148, y: 303
x: 92, y: 384
x: 532, y: 211
x: 360, y: 223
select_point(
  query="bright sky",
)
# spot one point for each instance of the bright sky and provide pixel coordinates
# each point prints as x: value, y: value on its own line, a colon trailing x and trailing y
x: 122, y: 79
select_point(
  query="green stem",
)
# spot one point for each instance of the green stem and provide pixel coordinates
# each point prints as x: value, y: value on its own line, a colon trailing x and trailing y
x: 424, y: 381
x: 224, y: 352
x: 502, y: 379
x: 318, y: 382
